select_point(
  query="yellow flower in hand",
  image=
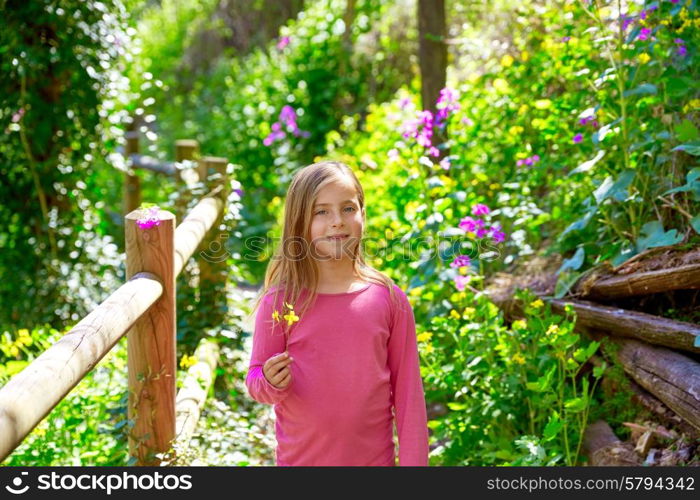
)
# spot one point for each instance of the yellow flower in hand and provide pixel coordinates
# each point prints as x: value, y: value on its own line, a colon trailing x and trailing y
x: 291, y: 318
x: 276, y: 315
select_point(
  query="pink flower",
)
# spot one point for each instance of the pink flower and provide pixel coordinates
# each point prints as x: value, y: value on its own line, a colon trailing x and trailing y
x: 18, y: 115
x: 460, y: 261
x: 445, y: 163
x: 480, y: 209
x: 461, y: 282
x: 644, y: 34
x: 150, y: 219
x: 468, y: 224
x: 284, y: 41
x: 577, y: 138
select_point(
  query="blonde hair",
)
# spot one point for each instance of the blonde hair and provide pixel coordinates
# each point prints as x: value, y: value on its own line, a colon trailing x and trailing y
x: 291, y: 275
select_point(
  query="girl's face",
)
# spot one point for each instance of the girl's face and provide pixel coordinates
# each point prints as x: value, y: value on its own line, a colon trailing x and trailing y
x: 336, y: 211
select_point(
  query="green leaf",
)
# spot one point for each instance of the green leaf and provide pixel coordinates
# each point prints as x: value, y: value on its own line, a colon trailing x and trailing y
x: 574, y: 262
x: 692, y: 148
x: 575, y: 404
x: 653, y: 235
x: 599, y: 370
x: 617, y: 189
x: 457, y: 406
x: 587, y: 165
x: 643, y: 89
x: 695, y: 222
x: 565, y: 281
x: 554, y: 425
x: 686, y: 131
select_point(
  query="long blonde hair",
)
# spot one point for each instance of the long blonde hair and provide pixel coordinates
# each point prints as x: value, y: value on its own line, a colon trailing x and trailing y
x: 292, y: 275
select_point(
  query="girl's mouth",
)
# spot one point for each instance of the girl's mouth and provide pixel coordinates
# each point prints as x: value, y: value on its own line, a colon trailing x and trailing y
x: 339, y: 237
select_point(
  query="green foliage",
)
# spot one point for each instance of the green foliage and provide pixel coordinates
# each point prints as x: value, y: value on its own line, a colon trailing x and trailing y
x: 89, y: 426
x: 60, y: 66
x: 519, y: 395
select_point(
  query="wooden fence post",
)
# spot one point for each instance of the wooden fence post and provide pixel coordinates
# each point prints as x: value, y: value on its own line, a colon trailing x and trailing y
x: 212, y: 257
x: 132, y: 183
x: 151, y: 341
x: 185, y: 149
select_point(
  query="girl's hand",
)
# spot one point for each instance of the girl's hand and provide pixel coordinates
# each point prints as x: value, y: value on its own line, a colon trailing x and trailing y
x: 276, y: 370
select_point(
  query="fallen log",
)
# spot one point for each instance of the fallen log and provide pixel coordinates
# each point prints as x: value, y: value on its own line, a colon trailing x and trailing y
x: 642, y: 283
x: 670, y: 376
x: 602, y: 447
x: 663, y: 412
x: 616, y: 321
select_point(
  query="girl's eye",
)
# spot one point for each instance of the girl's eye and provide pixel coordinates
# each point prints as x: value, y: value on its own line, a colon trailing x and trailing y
x: 320, y: 212
x: 351, y: 208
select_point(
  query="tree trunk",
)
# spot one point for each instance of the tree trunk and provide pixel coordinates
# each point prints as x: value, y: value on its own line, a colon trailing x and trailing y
x: 432, y: 50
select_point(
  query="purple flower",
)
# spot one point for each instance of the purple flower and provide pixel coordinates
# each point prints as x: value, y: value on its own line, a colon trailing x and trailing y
x: 577, y: 138
x: 682, y: 51
x: 467, y: 121
x: 468, y: 224
x: 18, y: 115
x: 644, y: 34
x: 445, y: 104
x: 288, y: 115
x: 528, y: 161
x: 481, y: 232
x: 238, y: 191
x: 460, y: 261
x: 403, y: 103
x: 496, y: 233
x: 284, y: 41
x: 536, y: 158
x: 520, y: 162
x: 433, y: 151
x: 461, y: 282
x: 565, y: 39
x: 480, y: 209
x: 150, y: 219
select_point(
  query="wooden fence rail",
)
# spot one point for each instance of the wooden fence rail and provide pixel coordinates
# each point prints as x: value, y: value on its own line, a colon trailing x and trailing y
x: 144, y: 309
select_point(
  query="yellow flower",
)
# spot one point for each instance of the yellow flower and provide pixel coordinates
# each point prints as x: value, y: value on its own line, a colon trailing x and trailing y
x: 543, y: 103
x: 537, y: 304
x: 525, y: 55
x: 519, y: 324
x: 468, y: 312
x: 424, y: 337
x: 523, y: 109
x: 454, y: 314
x: 276, y: 315
x: 515, y: 130
x: 518, y: 358
x: 644, y: 58
x: 507, y: 61
x: 14, y: 351
x: 187, y: 361
x: 291, y: 318
x: 552, y: 329
x: 464, y: 270
x: 429, y: 348
x: 501, y: 85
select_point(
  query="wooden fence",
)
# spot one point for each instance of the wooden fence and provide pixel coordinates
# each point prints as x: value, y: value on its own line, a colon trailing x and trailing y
x: 144, y: 309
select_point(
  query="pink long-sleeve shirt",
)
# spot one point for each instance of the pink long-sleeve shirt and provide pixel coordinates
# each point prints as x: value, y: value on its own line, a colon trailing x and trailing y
x: 355, y: 359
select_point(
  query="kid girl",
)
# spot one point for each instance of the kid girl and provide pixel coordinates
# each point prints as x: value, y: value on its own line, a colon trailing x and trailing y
x: 334, y: 345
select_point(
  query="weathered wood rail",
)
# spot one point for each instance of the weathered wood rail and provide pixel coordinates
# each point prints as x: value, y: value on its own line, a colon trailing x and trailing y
x: 144, y: 309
